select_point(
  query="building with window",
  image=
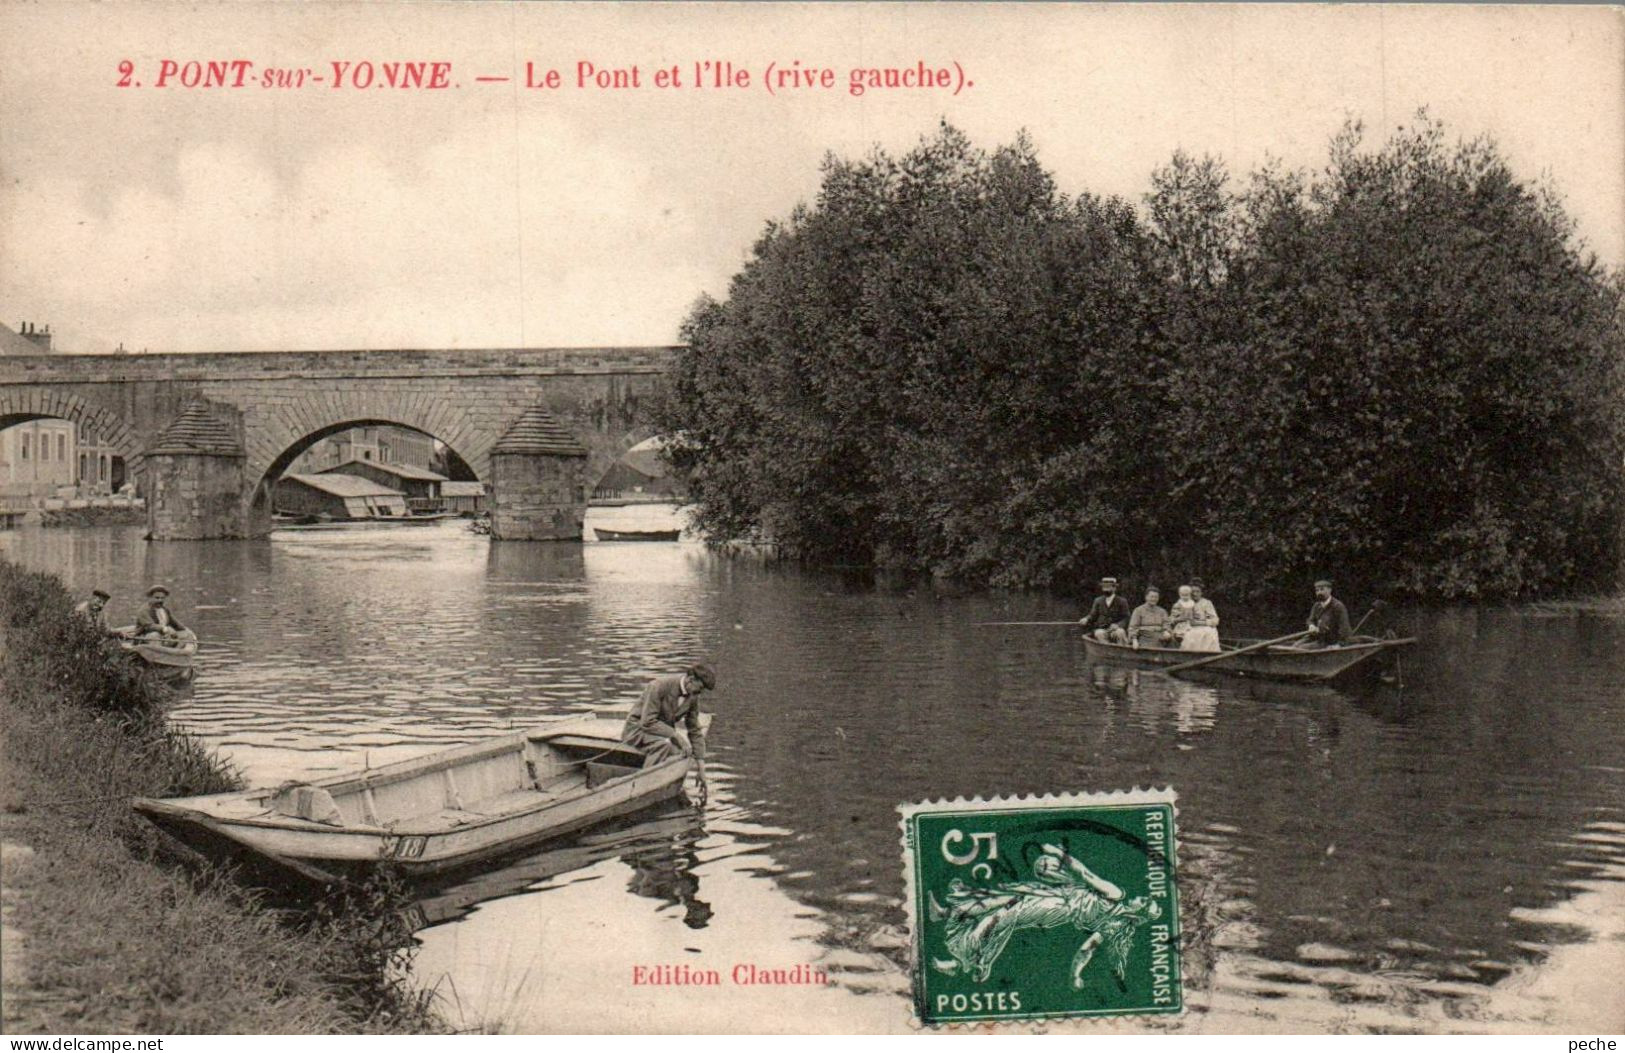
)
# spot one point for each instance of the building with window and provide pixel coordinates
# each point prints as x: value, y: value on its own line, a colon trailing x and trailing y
x: 464, y: 498
x: 420, y: 485
x: 101, y: 469
x: 38, y: 458
x: 384, y: 442
x: 335, y: 496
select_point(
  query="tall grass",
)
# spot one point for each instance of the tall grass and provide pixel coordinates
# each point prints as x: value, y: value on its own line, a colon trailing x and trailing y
x: 120, y: 942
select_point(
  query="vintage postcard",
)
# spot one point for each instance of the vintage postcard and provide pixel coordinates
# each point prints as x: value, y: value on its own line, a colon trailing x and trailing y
x: 502, y: 503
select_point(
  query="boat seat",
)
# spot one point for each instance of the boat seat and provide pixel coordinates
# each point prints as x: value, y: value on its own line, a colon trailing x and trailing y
x: 504, y: 803
x: 451, y: 817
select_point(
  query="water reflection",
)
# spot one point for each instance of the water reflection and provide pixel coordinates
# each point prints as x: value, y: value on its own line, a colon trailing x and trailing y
x: 1445, y: 854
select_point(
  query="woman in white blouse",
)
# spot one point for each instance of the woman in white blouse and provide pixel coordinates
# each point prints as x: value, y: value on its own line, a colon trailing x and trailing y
x: 1203, y: 634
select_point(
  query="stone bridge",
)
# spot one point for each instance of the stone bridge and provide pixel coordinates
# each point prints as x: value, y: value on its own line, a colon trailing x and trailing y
x: 207, y: 435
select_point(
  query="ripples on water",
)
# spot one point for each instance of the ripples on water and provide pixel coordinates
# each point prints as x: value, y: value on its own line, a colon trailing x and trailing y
x: 1444, y: 856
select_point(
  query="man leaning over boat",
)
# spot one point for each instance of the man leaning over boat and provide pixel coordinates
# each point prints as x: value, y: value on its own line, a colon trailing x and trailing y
x: 665, y: 720
x: 93, y: 612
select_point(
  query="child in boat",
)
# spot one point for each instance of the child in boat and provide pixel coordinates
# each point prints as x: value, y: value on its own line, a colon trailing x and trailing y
x: 1179, y: 616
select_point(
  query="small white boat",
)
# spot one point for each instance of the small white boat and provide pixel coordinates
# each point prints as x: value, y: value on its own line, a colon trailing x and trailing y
x: 173, y: 655
x: 431, y: 813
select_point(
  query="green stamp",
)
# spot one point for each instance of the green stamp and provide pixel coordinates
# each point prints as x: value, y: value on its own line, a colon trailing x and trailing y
x: 1054, y: 906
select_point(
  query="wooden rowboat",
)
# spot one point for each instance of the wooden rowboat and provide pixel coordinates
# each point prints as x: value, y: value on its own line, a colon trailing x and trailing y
x: 174, y: 655
x: 1271, y: 663
x: 604, y: 534
x: 433, y: 813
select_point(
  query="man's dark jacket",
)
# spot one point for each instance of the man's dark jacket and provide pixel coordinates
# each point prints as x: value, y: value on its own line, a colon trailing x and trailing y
x: 1331, y: 621
x: 1107, y: 612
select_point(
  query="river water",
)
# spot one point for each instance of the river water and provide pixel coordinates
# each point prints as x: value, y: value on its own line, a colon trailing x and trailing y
x: 1445, y: 853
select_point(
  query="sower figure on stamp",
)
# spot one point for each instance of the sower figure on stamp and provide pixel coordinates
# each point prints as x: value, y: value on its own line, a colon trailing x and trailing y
x: 1063, y: 891
x: 668, y: 706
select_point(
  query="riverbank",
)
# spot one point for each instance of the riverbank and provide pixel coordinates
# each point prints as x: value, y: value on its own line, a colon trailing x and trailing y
x: 103, y: 932
x: 1611, y: 606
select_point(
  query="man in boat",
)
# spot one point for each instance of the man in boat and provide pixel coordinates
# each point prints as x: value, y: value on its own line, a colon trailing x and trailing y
x: 1108, y: 617
x: 1328, y: 618
x: 668, y: 706
x: 1148, y: 625
x: 94, y: 612
x: 155, y: 617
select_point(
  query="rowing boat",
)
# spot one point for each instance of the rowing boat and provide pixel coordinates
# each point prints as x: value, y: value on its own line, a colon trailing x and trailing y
x: 605, y: 534
x: 1270, y: 663
x: 433, y: 813
x: 173, y: 655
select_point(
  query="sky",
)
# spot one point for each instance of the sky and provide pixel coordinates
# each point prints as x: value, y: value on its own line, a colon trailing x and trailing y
x: 492, y: 214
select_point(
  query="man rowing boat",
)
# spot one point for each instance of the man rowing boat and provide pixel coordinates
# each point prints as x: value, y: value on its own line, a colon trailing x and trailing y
x: 670, y: 704
x: 156, y: 618
x: 1328, y: 618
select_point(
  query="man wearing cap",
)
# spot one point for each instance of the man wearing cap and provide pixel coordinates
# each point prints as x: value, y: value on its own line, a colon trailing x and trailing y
x: 1108, y: 618
x: 670, y: 704
x: 94, y: 611
x: 1328, y: 618
x: 155, y: 617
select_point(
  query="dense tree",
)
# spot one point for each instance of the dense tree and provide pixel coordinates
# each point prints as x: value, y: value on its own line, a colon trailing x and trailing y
x: 1411, y: 379
x: 1401, y: 367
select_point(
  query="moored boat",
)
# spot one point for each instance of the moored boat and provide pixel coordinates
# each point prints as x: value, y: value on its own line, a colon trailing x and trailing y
x: 432, y: 813
x: 1270, y: 663
x: 605, y: 534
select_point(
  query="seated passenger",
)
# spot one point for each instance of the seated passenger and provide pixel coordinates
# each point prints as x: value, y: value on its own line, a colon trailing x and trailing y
x: 1148, y: 625
x: 1203, y: 634
x: 1179, y: 616
x: 1108, y: 617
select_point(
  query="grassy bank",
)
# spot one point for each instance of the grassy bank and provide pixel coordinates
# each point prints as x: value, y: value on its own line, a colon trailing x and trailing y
x: 117, y: 937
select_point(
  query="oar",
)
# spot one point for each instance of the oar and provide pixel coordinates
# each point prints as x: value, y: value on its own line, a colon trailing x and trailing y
x: 1222, y: 655
x: 1356, y: 630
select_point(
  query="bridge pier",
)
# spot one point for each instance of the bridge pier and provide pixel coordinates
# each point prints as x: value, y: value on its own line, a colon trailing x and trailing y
x: 195, y: 496
x: 538, y: 481
x: 194, y: 480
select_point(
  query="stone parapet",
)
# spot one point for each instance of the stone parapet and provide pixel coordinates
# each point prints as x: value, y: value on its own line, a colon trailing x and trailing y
x: 263, y: 365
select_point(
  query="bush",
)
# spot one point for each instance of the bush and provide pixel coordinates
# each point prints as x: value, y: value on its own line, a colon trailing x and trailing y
x: 122, y: 945
x: 1404, y: 366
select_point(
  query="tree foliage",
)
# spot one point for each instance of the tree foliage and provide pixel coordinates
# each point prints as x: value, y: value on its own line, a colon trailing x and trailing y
x: 1402, y: 367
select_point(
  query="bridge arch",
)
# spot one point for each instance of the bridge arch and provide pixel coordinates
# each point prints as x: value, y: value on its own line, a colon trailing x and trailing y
x: 23, y: 405
x: 292, y: 428
x: 260, y: 495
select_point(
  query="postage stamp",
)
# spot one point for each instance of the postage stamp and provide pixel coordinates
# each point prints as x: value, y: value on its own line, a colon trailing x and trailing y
x: 1034, y: 907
